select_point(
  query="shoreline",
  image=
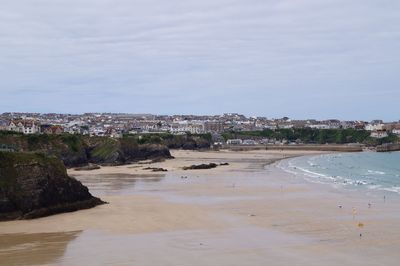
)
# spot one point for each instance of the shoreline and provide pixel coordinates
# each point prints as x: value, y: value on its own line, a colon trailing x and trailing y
x: 273, y: 213
x: 344, y: 185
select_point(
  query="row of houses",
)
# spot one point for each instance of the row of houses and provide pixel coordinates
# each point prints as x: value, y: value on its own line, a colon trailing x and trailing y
x: 26, y: 126
x: 105, y: 126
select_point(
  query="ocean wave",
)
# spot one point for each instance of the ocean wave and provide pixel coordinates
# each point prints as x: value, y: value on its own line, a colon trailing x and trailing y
x: 376, y: 172
x: 332, y: 170
x: 374, y: 187
x: 314, y: 174
x: 392, y: 189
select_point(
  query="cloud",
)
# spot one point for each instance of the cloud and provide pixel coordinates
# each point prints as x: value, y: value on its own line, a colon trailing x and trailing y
x: 217, y: 56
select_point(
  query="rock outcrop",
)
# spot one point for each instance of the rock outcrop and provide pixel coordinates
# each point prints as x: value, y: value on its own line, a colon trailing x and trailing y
x: 34, y: 185
x: 126, y: 150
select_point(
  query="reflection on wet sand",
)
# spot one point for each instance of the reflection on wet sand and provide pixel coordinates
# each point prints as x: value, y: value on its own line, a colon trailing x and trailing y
x: 34, y: 249
x: 117, y: 183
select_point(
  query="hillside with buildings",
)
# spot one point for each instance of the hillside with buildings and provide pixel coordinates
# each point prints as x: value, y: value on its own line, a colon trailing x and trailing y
x: 197, y: 132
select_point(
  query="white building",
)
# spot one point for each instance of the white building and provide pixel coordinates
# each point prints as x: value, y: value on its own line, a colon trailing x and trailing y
x: 24, y: 126
x: 249, y: 142
x: 396, y: 131
x: 183, y: 127
x: 374, y: 127
x: 234, y: 142
x: 379, y: 134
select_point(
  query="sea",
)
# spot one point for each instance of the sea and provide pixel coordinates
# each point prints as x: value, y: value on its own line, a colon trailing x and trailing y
x: 365, y: 170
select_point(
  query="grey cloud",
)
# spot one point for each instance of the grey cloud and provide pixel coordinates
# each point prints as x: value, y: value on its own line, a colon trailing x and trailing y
x: 242, y: 52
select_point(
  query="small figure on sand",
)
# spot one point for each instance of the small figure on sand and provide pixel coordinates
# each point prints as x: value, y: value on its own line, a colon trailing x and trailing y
x: 369, y: 205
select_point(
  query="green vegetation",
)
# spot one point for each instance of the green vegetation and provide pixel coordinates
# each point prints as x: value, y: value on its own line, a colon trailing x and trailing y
x: 8, y: 160
x: 309, y: 135
x: 78, y: 150
x: 105, y: 149
x: 187, y: 141
x: 74, y: 142
x: 9, y: 133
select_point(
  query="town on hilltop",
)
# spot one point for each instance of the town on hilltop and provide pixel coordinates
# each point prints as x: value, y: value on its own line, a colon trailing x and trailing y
x: 116, y: 124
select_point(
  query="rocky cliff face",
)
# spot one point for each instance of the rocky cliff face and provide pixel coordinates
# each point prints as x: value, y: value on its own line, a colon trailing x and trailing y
x: 126, y: 150
x: 33, y: 185
x: 76, y: 150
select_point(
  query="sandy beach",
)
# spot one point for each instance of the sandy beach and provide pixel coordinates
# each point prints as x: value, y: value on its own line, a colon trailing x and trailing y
x: 246, y: 213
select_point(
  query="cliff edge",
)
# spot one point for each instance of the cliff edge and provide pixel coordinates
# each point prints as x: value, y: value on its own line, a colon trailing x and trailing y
x: 34, y: 185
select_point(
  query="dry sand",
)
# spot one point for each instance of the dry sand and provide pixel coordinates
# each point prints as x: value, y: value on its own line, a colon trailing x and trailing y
x: 240, y: 214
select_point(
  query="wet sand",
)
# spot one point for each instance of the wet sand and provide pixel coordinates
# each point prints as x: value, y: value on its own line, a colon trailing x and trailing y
x: 245, y: 213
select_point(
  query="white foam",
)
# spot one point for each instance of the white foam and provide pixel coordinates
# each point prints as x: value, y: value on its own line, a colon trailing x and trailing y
x: 392, y: 189
x: 376, y: 172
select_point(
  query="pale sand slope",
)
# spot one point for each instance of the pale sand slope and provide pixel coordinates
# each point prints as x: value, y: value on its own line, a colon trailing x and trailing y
x: 232, y: 215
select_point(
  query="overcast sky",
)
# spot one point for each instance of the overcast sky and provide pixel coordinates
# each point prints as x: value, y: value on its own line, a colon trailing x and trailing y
x: 297, y: 58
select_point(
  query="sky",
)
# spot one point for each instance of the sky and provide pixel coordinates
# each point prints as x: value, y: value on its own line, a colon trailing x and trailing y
x: 273, y: 58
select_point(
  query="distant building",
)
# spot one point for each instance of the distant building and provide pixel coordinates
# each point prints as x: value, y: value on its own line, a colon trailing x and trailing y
x: 234, y: 142
x: 113, y: 133
x: 375, y: 127
x: 52, y: 129
x: 396, y: 131
x: 24, y: 126
x: 249, y: 142
x: 379, y: 134
x: 359, y: 126
x: 215, y: 127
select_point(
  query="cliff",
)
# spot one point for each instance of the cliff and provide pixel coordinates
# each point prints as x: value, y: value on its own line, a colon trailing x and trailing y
x: 77, y: 150
x: 125, y: 150
x: 186, y: 141
x: 34, y: 185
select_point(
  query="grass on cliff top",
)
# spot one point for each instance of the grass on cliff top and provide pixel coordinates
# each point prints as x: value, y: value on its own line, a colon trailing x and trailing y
x: 34, y: 142
x: 8, y: 160
x: 105, y: 149
x: 168, y: 138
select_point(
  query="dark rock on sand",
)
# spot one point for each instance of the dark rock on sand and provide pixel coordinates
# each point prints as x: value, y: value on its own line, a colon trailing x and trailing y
x: 155, y: 169
x: 200, y: 166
